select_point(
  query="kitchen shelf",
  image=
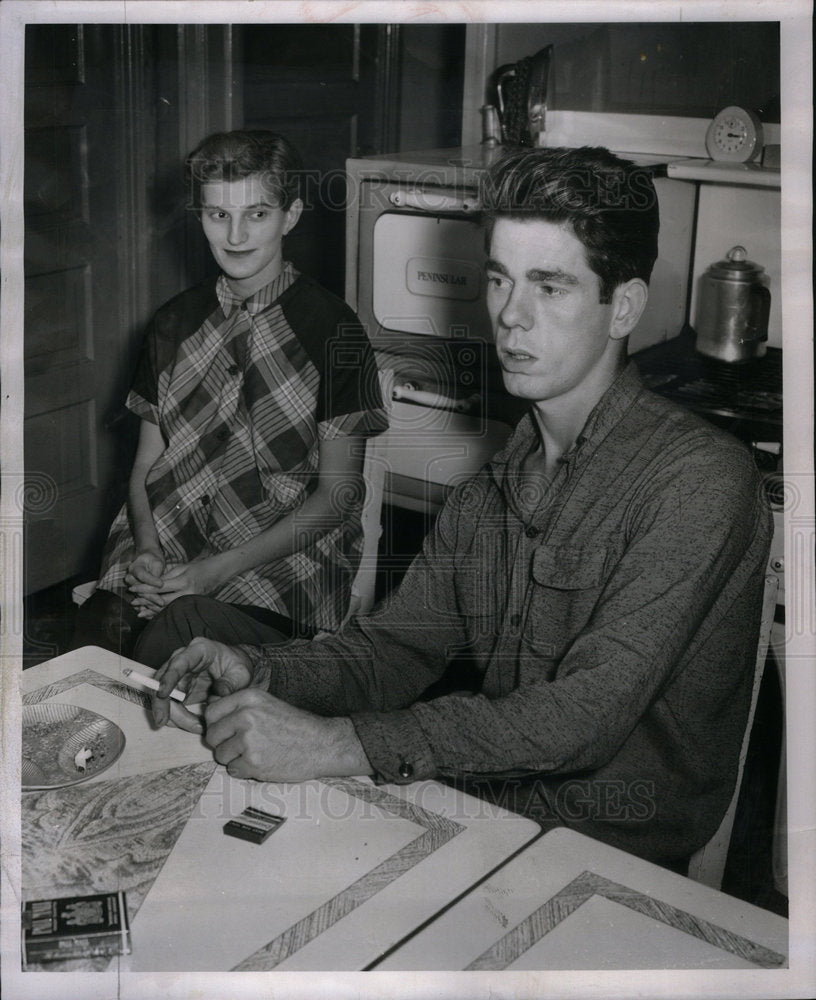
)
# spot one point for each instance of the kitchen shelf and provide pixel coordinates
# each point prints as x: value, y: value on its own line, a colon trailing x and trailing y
x: 717, y: 172
x: 464, y: 165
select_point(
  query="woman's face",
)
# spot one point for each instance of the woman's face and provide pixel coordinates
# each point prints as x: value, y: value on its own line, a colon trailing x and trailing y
x: 245, y: 229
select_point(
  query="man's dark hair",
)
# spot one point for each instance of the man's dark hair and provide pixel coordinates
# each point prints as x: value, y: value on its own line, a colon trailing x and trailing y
x: 609, y: 203
x: 231, y: 156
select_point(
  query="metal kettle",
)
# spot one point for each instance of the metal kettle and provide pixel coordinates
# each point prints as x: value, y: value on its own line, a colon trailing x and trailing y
x: 733, y: 309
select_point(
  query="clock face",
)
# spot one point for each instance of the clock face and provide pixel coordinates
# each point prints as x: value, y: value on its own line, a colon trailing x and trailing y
x: 734, y: 134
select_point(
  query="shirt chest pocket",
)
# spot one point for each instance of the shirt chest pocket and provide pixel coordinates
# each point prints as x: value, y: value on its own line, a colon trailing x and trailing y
x: 565, y: 584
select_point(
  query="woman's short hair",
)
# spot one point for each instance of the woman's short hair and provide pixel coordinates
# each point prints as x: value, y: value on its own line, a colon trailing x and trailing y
x: 609, y: 203
x: 231, y: 156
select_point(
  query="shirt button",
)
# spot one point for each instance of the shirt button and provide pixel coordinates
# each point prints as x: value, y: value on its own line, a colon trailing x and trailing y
x: 532, y: 532
x: 515, y: 620
x: 205, y: 500
x: 233, y: 370
x: 223, y: 434
x: 405, y: 770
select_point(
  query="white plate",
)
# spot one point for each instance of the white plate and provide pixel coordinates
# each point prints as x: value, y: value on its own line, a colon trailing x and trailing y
x: 64, y: 745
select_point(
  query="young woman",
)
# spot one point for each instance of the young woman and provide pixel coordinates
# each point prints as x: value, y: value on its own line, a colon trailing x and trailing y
x: 255, y: 391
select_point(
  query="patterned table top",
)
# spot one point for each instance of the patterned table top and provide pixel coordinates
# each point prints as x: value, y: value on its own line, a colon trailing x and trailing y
x: 570, y: 902
x: 355, y: 868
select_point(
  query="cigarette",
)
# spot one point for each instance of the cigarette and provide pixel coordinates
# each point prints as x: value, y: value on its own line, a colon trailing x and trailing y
x: 149, y: 682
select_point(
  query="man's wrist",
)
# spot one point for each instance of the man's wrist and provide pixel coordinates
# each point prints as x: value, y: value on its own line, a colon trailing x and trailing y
x: 258, y: 665
x: 345, y: 754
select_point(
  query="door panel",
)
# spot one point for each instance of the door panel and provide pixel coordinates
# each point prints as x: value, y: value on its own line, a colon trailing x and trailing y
x: 57, y: 337
x: 72, y: 316
x: 111, y: 110
x: 321, y: 86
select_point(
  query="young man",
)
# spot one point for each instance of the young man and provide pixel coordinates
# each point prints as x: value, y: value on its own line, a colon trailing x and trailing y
x: 602, y: 576
x: 256, y: 391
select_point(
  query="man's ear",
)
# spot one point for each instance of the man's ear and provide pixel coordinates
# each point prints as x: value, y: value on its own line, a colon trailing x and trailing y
x: 292, y: 216
x: 628, y: 302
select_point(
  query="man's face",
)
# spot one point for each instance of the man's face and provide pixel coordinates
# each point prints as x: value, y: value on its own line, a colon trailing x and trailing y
x: 552, y: 333
x: 244, y: 229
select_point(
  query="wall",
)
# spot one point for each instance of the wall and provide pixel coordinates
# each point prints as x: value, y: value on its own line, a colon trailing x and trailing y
x: 430, y: 82
x: 660, y: 68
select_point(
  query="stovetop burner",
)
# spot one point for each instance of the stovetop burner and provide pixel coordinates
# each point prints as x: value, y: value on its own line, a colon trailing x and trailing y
x: 744, y: 398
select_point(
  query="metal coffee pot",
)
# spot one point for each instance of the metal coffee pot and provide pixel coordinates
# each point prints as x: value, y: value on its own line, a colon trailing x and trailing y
x: 733, y: 309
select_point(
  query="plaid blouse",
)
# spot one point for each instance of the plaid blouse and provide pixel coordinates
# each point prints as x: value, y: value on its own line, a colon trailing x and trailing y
x: 244, y: 391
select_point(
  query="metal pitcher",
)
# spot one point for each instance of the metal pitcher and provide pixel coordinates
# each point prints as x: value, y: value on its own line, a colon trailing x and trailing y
x: 733, y: 309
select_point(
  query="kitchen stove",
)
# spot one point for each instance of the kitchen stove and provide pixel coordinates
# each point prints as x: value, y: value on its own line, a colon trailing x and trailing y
x: 745, y: 398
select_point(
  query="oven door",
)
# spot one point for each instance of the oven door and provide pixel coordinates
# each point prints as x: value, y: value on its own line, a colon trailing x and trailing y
x: 427, y: 276
x: 421, y: 263
x: 420, y: 295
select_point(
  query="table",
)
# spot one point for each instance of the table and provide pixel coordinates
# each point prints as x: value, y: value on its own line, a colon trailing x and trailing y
x: 354, y: 869
x: 569, y: 902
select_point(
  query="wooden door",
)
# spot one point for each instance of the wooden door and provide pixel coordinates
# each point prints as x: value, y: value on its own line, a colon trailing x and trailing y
x: 73, y: 291
x: 110, y: 111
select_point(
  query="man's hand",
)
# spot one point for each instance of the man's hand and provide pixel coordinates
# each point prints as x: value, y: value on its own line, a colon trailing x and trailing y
x: 259, y: 736
x: 202, y: 669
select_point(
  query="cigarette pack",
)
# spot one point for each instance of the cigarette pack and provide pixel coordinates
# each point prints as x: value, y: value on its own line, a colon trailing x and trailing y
x: 75, y: 927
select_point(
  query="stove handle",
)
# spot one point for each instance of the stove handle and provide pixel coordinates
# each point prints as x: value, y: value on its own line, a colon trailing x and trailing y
x: 431, y: 201
x: 434, y: 399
